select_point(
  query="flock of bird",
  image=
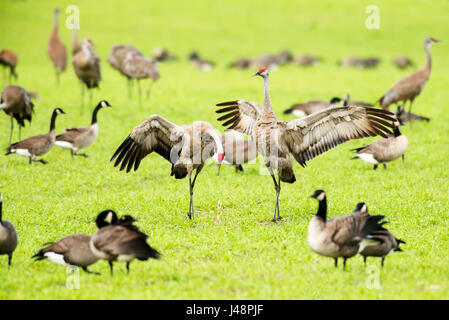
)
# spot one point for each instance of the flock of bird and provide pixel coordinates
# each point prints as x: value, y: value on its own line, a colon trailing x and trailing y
x: 321, y: 125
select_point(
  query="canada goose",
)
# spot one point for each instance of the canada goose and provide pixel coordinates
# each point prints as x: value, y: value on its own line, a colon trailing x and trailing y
x: 386, y: 242
x: 403, y: 62
x: 37, y: 145
x: 71, y: 251
x: 119, y: 240
x: 307, y: 108
x: 16, y: 102
x: 78, y: 138
x: 405, y: 116
x: 8, y: 236
x: 241, y: 63
x: 161, y: 54
x: 200, y: 64
x: 384, y: 150
x: 307, y: 60
x: 340, y: 237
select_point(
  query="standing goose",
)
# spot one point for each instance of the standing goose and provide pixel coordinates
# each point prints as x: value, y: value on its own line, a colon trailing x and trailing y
x: 384, y: 150
x: 340, y: 237
x: 404, y: 116
x: 410, y: 86
x: 8, y: 236
x: 16, y: 102
x: 120, y: 240
x: 72, y: 251
x: 56, y: 49
x: 75, y: 139
x: 386, y: 242
x: 304, y: 138
x: 186, y: 147
x: 37, y: 145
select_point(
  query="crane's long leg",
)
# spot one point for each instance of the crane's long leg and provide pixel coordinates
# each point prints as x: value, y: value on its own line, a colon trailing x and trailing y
x: 410, y: 112
x: 10, y: 131
x: 82, y: 97
x: 192, y: 185
x: 277, y: 187
x: 129, y: 83
x: 149, y: 89
x: 140, y: 93
x: 90, y: 97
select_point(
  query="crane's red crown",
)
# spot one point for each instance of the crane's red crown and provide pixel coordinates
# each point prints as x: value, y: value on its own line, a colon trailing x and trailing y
x: 220, y: 157
x: 262, y: 69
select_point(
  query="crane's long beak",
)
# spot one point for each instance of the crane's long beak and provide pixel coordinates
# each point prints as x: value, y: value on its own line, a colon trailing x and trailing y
x: 435, y: 40
x: 256, y: 74
x: 219, y: 166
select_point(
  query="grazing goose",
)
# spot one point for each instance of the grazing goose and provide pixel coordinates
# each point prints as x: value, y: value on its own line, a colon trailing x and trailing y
x: 406, y: 116
x: 403, y: 62
x: 307, y: 108
x: 37, y: 145
x: 304, y: 138
x: 8, y: 236
x: 161, y: 55
x: 78, y: 138
x: 384, y: 150
x: 16, y: 102
x: 120, y: 240
x: 341, y: 237
x: 200, y: 64
x: 237, y: 150
x: 386, y: 242
x: 307, y: 60
x: 71, y: 251
x: 186, y: 147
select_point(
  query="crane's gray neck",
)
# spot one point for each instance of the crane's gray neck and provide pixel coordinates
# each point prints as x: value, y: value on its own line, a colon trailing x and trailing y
x: 266, y: 98
x: 322, y: 208
x: 429, y: 57
x: 55, y: 19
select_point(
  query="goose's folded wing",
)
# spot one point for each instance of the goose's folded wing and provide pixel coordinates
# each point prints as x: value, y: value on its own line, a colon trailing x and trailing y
x: 319, y: 132
x: 240, y: 115
x: 154, y: 134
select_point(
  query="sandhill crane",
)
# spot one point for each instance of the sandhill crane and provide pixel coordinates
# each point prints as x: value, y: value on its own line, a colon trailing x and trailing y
x: 34, y: 146
x: 307, y: 60
x: 237, y: 150
x: 305, y: 138
x: 186, y: 147
x: 117, y: 56
x: 138, y: 67
x: 200, y: 64
x: 161, y: 54
x: 76, y: 44
x: 8, y: 59
x: 56, y: 49
x: 410, y: 86
x: 16, y: 102
x: 403, y: 62
x: 86, y: 64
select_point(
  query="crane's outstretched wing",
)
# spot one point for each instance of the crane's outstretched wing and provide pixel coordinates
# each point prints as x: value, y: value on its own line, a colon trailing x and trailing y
x: 317, y: 133
x: 154, y: 134
x: 241, y: 115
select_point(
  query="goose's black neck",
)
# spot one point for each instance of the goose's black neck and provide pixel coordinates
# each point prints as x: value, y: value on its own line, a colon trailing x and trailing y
x: 1, y: 203
x: 94, y: 114
x: 322, y: 208
x: 53, y: 120
x: 396, y: 132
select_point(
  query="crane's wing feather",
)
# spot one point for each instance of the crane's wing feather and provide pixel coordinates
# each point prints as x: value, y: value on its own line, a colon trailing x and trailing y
x: 240, y: 115
x: 154, y: 134
x: 317, y: 133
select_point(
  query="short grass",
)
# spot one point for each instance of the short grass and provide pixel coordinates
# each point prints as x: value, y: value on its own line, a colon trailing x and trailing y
x: 231, y: 250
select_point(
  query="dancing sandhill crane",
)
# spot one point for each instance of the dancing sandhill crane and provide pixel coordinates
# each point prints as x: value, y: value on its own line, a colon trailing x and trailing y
x: 86, y: 64
x: 410, y: 86
x: 76, y: 44
x: 138, y: 67
x: 56, y: 49
x: 237, y: 149
x: 403, y: 62
x: 304, y: 138
x: 117, y: 56
x: 8, y: 59
x: 16, y: 102
x: 186, y: 147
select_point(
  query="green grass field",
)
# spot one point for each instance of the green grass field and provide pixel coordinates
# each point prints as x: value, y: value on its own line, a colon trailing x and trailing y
x: 231, y: 250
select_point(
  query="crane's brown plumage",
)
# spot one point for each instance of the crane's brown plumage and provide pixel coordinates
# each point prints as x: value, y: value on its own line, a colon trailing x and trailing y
x: 16, y: 102
x: 304, y: 138
x: 410, y: 86
x: 186, y: 147
x: 56, y: 49
x: 8, y: 59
